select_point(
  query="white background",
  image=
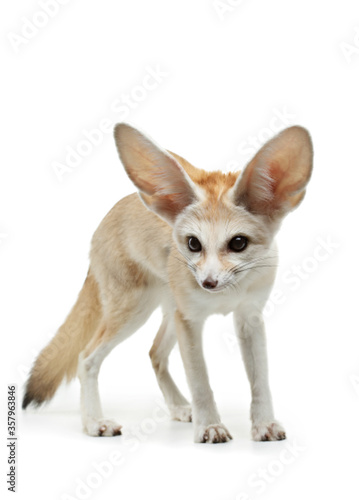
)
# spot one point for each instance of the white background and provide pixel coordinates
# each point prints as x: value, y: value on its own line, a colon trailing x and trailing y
x: 228, y: 74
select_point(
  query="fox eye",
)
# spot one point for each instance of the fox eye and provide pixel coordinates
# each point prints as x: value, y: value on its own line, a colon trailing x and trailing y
x: 194, y: 244
x: 238, y: 243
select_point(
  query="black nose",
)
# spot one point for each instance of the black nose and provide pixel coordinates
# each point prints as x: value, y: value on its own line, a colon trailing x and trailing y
x: 209, y: 283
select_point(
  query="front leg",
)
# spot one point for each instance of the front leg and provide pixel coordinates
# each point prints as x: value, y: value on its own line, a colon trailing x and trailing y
x: 251, y: 333
x: 207, y: 423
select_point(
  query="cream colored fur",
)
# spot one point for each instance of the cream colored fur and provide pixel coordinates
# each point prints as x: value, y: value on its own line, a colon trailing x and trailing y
x: 141, y: 259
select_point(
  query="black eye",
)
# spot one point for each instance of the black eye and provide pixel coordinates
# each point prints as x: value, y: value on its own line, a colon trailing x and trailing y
x: 238, y: 243
x: 194, y: 244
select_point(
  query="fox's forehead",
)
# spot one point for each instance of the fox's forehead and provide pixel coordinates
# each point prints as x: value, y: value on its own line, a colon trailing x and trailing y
x: 214, y: 185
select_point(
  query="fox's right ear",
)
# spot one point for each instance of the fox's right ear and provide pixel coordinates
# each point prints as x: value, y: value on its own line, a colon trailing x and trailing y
x: 164, y: 185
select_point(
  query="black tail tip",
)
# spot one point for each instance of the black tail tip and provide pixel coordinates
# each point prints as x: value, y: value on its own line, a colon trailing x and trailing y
x: 26, y: 401
x: 29, y: 399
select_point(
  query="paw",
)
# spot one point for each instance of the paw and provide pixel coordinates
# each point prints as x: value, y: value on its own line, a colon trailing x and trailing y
x: 216, y: 433
x: 181, y: 413
x: 268, y: 432
x: 102, y: 427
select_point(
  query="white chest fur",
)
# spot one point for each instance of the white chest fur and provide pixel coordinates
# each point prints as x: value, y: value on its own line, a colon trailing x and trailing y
x: 202, y: 304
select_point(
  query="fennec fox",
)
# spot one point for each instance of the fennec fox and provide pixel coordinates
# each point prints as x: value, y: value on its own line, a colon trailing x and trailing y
x: 195, y: 243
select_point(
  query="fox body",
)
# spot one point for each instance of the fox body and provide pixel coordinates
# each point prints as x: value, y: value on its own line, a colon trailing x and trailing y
x: 195, y: 243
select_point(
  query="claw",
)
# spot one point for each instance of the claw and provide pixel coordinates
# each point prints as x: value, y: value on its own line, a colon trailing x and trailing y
x: 268, y: 432
x: 215, y: 433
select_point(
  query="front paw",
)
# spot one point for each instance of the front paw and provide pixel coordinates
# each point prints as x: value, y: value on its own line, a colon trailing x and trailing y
x: 268, y: 431
x: 181, y: 413
x: 102, y: 427
x: 215, y: 433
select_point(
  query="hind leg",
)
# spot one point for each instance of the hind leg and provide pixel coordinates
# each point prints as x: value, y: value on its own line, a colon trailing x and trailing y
x: 162, y: 346
x: 118, y: 323
x: 90, y: 362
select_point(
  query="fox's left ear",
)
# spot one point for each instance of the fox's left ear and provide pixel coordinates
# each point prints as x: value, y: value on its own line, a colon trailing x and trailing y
x: 274, y: 181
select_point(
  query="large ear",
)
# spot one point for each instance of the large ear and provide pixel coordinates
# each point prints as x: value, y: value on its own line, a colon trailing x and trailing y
x: 274, y: 181
x: 164, y: 185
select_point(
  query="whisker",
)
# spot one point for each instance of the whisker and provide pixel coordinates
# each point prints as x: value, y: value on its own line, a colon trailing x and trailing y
x: 250, y: 268
x: 186, y: 262
x: 244, y: 266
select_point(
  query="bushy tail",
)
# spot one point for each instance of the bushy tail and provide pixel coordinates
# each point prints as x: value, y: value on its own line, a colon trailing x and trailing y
x: 59, y: 358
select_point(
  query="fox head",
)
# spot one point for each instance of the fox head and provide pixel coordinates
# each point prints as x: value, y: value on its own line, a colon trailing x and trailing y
x: 223, y: 224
